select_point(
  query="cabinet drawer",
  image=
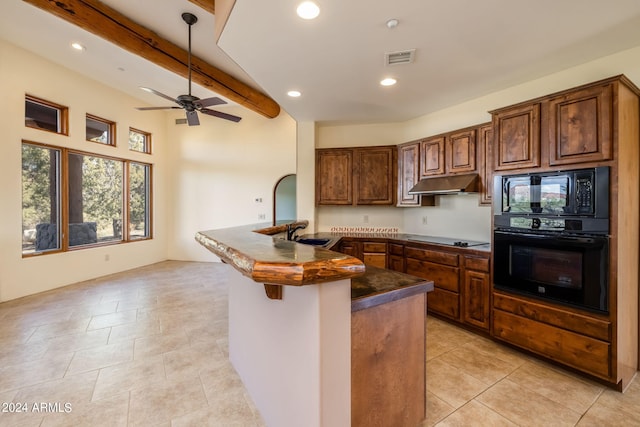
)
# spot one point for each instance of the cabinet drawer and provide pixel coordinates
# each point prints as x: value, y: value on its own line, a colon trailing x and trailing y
x: 444, y: 302
x: 474, y: 263
x: 376, y: 260
x: 562, y: 318
x: 570, y: 348
x: 396, y: 249
x: 443, y: 276
x: 438, y: 257
x: 374, y: 247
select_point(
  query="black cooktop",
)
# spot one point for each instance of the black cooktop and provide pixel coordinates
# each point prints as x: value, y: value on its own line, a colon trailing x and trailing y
x: 446, y: 241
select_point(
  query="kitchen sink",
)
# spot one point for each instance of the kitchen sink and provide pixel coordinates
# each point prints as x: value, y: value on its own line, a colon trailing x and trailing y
x: 313, y: 242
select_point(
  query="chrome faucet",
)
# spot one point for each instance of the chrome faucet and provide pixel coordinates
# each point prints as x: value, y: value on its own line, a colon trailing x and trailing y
x: 292, y: 228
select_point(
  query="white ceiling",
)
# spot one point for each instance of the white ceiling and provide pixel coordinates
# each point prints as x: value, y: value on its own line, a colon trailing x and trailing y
x: 464, y: 49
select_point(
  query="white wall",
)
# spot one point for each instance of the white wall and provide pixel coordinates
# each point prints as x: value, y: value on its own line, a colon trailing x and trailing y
x: 455, y: 216
x: 217, y: 171
x: 22, y: 72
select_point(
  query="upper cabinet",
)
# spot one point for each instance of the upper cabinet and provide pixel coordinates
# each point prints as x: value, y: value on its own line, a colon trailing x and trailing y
x: 579, y: 127
x: 485, y: 148
x: 408, y: 173
x: 334, y: 177
x: 432, y: 156
x: 516, y: 133
x: 460, y: 151
x: 356, y: 176
x: 566, y: 128
x: 450, y: 153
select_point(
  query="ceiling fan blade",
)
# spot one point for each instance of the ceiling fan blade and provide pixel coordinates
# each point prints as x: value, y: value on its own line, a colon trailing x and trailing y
x: 155, y: 92
x: 192, y: 118
x: 208, y: 102
x: 221, y: 115
x: 157, y: 108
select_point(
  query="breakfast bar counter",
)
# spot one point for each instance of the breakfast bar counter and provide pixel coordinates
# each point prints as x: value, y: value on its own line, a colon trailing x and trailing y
x: 331, y: 342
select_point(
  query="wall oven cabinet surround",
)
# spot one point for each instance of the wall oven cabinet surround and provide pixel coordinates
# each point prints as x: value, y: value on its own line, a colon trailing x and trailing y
x: 588, y: 319
x: 356, y: 176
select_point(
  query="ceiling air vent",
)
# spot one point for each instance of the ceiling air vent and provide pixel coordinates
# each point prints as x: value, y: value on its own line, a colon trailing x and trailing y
x: 181, y: 121
x: 401, y: 57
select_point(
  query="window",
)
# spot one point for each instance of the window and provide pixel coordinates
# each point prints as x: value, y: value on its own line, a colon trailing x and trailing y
x: 139, y: 141
x: 95, y: 199
x: 100, y: 130
x: 45, y: 115
x: 40, y: 199
x: 139, y: 197
x: 88, y: 195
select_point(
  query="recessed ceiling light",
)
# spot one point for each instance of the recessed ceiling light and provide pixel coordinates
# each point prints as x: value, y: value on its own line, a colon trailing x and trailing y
x: 392, y: 23
x: 294, y: 93
x: 77, y: 46
x: 308, y: 10
x: 389, y: 81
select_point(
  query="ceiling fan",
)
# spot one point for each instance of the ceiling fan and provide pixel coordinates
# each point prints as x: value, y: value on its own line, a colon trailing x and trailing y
x: 192, y: 104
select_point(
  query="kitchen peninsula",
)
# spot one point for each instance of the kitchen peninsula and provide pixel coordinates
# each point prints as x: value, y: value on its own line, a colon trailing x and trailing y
x: 317, y: 338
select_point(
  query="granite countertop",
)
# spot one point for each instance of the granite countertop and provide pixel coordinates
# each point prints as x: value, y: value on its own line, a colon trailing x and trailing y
x: 379, y: 286
x: 403, y: 238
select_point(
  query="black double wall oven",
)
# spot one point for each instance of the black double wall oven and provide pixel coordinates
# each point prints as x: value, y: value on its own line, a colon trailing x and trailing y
x: 551, y: 236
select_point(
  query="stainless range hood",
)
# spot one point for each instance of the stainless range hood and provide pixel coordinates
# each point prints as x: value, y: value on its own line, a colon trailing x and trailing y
x: 454, y: 184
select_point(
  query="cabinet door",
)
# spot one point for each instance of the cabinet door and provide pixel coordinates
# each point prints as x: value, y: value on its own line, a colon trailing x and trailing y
x: 432, y: 156
x: 352, y: 248
x: 408, y: 173
x: 460, y: 152
x: 580, y: 126
x: 516, y: 133
x: 485, y: 136
x: 476, y: 299
x: 334, y: 177
x: 375, y: 176
x: 396, y: 263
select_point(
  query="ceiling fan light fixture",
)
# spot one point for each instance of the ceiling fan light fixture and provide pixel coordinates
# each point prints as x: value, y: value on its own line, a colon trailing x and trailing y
x: 308, y: 10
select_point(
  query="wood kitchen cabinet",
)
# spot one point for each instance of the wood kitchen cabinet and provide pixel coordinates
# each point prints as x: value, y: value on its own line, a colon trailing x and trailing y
x: 485, y: 160
x: 460, y: 151
x: 334, y: 177
x: 516, y: 133
x: 408, y: 173
x: 443, y: 268
x: 351, y: 247
x: 579, y: 128
x: 375, y: 254
x: 395, y: 261
x: 476, y: 292
x: 356, y: 176
x: 575, y: 339
x: 432, y: 156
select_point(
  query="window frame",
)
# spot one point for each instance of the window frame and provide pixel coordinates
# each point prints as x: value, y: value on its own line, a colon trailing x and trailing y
x: 63, y: 114
x: 111, y: 133
x: 147, y: 141
x: 64, y: 200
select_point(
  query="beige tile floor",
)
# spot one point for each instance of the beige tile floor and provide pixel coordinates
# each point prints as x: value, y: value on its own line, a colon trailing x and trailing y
x: 148, y: 347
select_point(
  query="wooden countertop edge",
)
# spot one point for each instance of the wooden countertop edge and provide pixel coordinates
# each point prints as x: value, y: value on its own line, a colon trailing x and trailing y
x: 286, y: 272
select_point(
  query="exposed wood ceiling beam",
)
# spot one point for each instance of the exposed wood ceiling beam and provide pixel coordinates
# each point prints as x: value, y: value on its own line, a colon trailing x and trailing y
x: 208, y: 5
x: 103, y: 21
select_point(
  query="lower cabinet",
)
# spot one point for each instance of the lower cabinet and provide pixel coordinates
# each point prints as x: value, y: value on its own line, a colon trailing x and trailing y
x: 443, y: 268
x: 395, y: 261
x: 375, y: 254
x: 476, y: 292
x: 561, y: 334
